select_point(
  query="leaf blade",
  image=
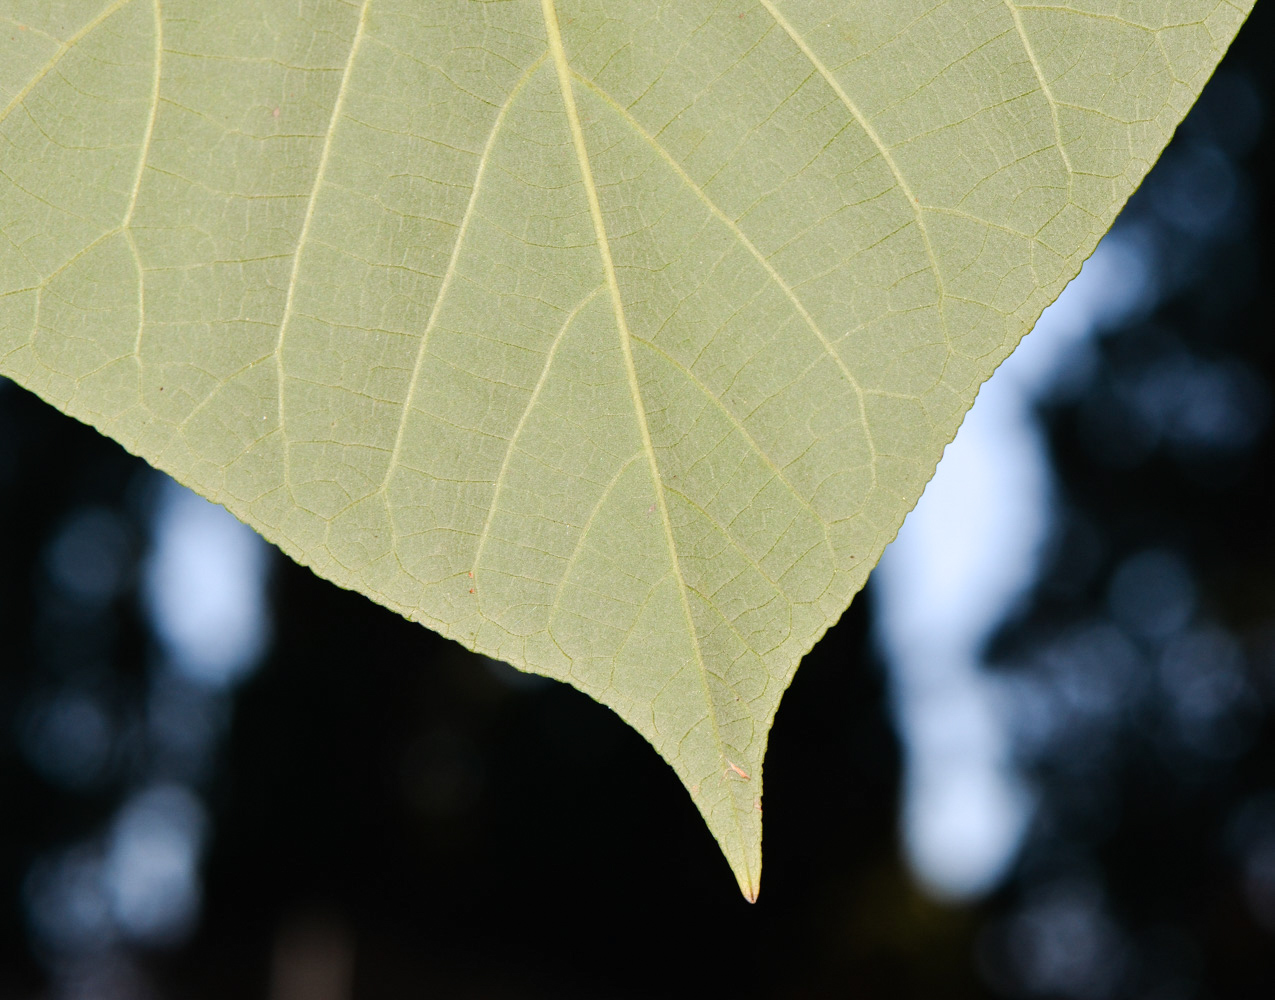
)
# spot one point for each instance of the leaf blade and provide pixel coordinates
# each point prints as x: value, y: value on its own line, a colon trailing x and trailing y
x: 614, y: 340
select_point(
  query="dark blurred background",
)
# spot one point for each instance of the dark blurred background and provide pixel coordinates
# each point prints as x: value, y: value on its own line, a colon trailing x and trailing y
x: 223, y: 777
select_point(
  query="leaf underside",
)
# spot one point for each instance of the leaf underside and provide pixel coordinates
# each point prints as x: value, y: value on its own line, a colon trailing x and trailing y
x: 611, y: 338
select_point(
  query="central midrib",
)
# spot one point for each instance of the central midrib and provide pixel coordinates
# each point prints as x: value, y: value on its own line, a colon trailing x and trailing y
x: 608, y: 267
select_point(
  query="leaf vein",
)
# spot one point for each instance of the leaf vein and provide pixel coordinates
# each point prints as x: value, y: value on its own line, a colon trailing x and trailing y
x: 58, y: 56
x: 913, y: 202
x: 556, y: 604
x: 743, y: 431
x: 142, y: 157
x: 337, y: 107
x: 450, y: 274
x: 522, y: 422
x: 748, y: 245
x: 608, y: 266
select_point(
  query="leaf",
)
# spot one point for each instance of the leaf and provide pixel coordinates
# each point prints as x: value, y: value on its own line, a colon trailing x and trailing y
x: 612, y: 338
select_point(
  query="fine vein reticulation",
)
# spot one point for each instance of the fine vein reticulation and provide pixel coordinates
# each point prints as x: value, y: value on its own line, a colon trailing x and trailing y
x: 613, y: 340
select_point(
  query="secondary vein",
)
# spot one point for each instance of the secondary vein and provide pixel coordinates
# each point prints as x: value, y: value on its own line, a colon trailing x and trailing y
x: 337, y: 107
x: 771, y: 272
x: 137, y: 186
x: 63, y: 49
x: 871, y: 132
x: 450, y: 274
x: 1044, y: 87
x: 522, y: 422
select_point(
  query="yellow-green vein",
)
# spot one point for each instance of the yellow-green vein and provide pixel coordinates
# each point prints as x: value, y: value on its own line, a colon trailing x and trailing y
x: 913, y: 202
x: 319, y: 173
x: 748, y: 245
x: 608, y: 267
x: 450, y: 274
x: 57, y: 56
x: 513, y: 438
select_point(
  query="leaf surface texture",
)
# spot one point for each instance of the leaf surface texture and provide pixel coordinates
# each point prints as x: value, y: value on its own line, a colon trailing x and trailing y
x: 611, y: 338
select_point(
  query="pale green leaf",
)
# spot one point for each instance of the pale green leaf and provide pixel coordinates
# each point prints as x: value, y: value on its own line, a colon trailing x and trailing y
x: 612, y: 338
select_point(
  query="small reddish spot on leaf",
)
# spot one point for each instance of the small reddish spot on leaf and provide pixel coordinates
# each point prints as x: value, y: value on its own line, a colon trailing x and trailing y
x: 732, y: 766
x: 275, y: 112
